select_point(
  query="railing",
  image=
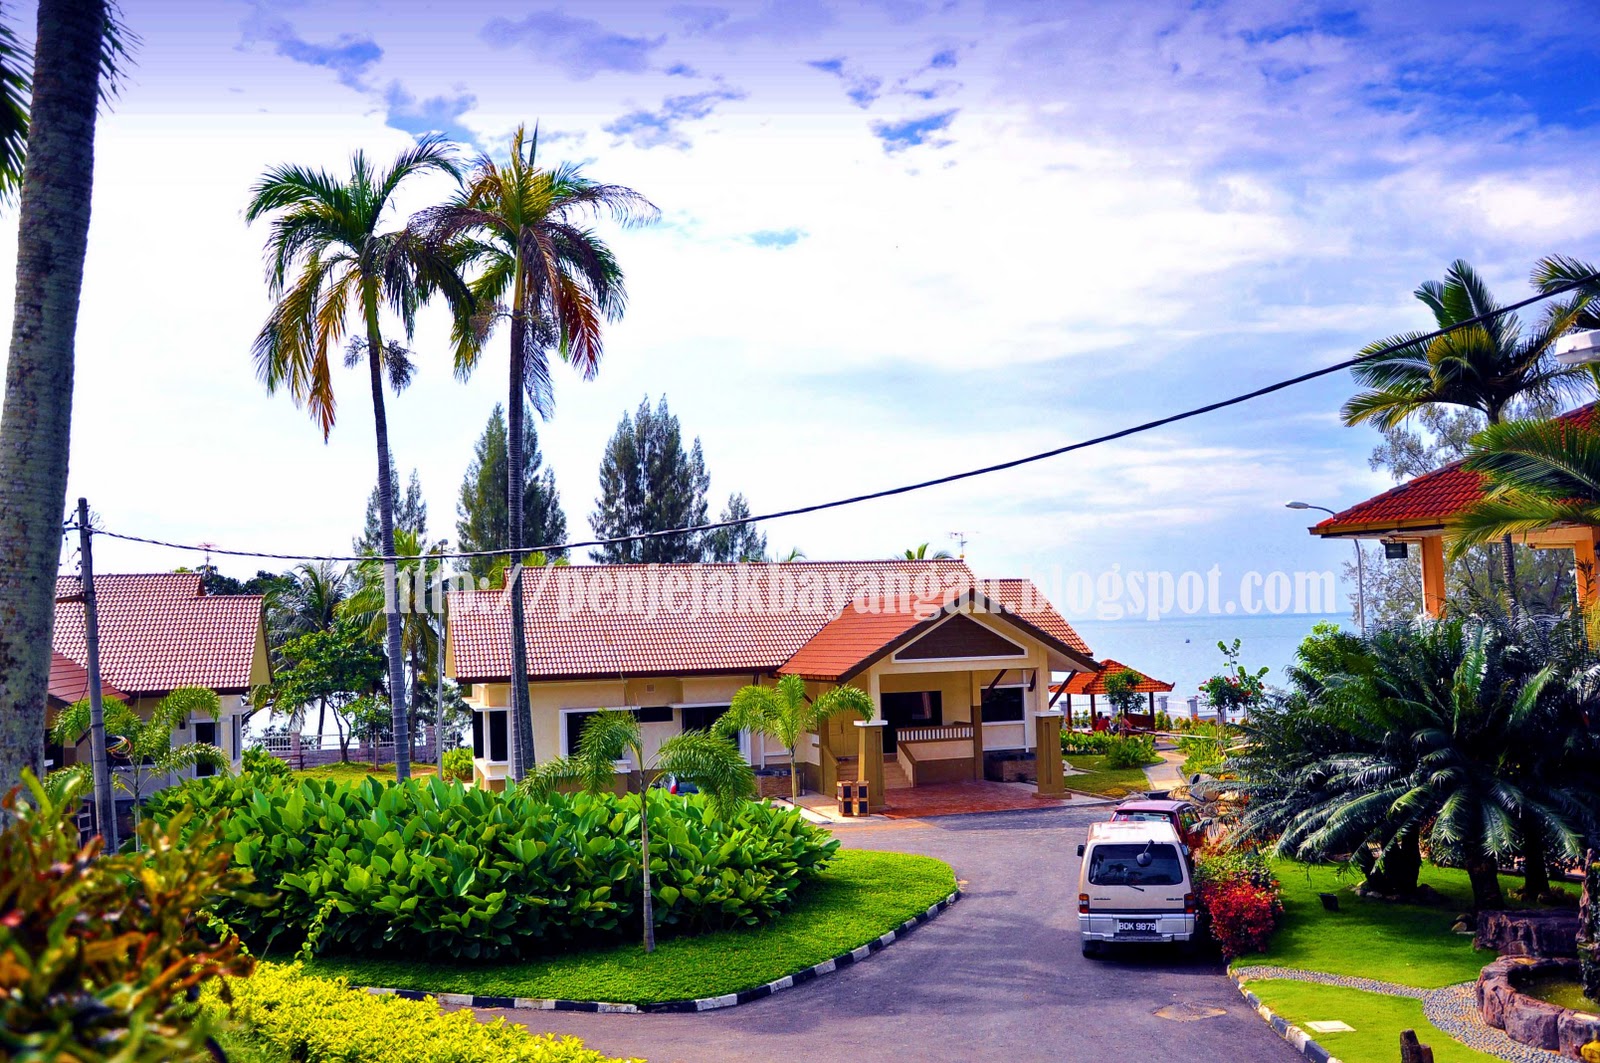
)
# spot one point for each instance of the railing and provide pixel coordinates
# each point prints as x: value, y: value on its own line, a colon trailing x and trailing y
x: 948, y: 733
x: 305, y: 751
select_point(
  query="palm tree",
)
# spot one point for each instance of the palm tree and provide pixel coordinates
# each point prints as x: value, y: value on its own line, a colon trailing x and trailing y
x: 36, y: 426
x: 920, y: 553
x: 143, y: 747
x: 522, y: 229
x: 1558, y: 271
x: 1486, y: 367
x: 785, y: 713
x: 709, y: 761
x: 328, y: 257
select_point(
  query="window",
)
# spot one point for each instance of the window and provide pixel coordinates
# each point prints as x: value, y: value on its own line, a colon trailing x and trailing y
x: 701, y: 717
x: 919, y: 708
x: 497, y: 736
x: 1135, y: 865
x: 1002, y: 705
x: 477, y: 735
x: 654, y: 714
x: 238, y: 736
x: 205, y: 732
x: 576, y: 722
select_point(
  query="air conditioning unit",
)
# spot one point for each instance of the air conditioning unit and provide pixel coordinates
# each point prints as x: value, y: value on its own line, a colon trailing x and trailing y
x: 1579, y: 348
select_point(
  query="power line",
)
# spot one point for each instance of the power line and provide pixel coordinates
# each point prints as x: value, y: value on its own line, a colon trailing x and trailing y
x: 889, y: 492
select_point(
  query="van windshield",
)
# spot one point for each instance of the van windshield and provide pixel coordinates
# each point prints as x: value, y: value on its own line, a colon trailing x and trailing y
x: 1119, y: 865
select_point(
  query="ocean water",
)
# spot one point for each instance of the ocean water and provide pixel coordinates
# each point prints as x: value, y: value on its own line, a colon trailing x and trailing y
x: 1183, y: 650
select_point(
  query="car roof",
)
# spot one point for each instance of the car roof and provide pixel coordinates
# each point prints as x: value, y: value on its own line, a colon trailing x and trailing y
x: 1152, y: 805
x: 1133, y: 831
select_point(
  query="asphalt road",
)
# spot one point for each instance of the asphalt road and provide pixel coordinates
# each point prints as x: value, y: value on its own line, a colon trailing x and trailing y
x: 999, y: 977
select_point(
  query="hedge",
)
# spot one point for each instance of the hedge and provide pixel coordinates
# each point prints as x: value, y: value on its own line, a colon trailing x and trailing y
x: 429, y: 868
x: 296, y: 1016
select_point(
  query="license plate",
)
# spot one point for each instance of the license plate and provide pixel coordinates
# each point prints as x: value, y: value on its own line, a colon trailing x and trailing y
x: 1142, y: 926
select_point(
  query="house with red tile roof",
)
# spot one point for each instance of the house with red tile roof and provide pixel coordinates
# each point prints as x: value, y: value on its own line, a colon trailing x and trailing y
x: 158, y: 632
x: 1418, y: 514
x: 958, y: 668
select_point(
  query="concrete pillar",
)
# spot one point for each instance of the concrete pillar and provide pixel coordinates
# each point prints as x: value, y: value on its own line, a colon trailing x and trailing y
x: 1583, y: 560
x: 1047, y: 729
x: 869, y: 760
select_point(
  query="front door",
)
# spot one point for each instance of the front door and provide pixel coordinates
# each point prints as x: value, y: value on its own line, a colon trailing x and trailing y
x: 918, y: 708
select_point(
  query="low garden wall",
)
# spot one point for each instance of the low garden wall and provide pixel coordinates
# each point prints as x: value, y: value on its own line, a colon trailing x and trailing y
x: 1529, y: 932
x: 1529, y: 1020
x: 1012, y: 765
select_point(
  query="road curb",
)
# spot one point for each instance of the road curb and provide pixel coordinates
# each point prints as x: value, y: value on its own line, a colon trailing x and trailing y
x: 697, y: 1004
x: 1298, y: 1038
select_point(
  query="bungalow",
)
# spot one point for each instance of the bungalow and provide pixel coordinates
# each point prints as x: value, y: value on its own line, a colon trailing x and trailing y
x: 959, y: 670
x: 159, y: 632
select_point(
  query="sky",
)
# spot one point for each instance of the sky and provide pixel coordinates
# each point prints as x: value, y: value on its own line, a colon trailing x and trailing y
x: 898, y: 238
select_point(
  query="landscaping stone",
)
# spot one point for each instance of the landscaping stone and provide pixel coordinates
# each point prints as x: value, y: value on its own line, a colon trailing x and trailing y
x: 1531, y: 1021
x: 1576, y: 1029
x: 1529, y: 932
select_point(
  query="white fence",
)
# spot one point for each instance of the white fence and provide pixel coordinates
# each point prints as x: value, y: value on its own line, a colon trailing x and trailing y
x: 305, y: 751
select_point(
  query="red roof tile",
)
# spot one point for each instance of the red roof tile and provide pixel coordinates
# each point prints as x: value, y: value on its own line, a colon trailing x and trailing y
x: 1095, y: 682
x: 756, y: 619
x: 69, y: 682
x: 1428, y: 501
x: 161, y: 631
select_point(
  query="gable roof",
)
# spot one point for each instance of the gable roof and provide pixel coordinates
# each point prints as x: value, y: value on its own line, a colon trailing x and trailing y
x: 1095, y: 682
x: 1429, y: 501
x: 161, y: 631
x: 605, y: 621
x: 69, y: 682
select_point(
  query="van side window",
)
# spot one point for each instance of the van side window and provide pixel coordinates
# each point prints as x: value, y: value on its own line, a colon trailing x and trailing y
x: 1119, y: 865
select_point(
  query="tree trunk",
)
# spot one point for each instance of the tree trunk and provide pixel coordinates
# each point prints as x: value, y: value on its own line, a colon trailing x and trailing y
x: 1398, y: 868
x: 36, y: 426
x: 397, y: 664
x: 1536, y: 868
x: 1484, y: 875
x: 438, y: 702
x: 648, y: 903
x: 794, y: 775
x: 522, y: 755
x: 1508, y: 551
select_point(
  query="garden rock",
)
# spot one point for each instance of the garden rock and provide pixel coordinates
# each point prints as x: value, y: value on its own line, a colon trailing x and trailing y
x: 1524, y: 932
x: 1575, y: 1030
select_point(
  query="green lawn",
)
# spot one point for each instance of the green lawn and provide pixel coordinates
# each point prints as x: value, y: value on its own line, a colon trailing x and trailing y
x: 357, y: 770
x: 1404, y: 943
x: 1107, y: 782
x: 861, y: 896
x: 1377, y: 1019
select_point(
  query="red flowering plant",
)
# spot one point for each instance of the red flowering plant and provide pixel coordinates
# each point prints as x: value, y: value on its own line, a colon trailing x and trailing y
x: 1241, y: 899
x: 1235, y: 688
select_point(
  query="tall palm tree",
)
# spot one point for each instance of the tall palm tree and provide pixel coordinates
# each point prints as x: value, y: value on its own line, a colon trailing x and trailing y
x: 710, y: 761
x: 783, y: 712
x: 309, y: 602
x: 329, y: 257
x: 1486, y: 367
x: 920, y: 553
x: 1558, y: 271
x: 36, y: 426
x: 523, y: 229
x: 417, y: 577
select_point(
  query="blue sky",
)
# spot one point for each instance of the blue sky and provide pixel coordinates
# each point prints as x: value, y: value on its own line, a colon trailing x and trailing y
x: 898, y: 238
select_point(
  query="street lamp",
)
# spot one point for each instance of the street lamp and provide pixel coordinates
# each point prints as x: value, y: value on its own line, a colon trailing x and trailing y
x: 1361, y: 569
x: 1579, y: 348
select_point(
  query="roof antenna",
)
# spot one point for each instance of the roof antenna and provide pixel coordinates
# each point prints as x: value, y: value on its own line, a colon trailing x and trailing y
x: 961, y: 544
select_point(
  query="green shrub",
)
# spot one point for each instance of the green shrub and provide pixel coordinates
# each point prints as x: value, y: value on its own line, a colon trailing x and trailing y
x: 429, y: 868
x: 257, y: 761
x: 1090, y: 742
x: 1130, y: 751
x: 323, y: 1020
x: 98, y: 953
x: 458, y: 764
x: 1205, y: 749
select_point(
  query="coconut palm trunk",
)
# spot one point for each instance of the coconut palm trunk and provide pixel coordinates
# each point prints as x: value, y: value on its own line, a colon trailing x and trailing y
x: 521, y: 703
x: 51, y: 241
x: 391, y: 606
x: 647, y: 902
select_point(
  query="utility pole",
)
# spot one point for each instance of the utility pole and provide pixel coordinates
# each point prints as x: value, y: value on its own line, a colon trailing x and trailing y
x: 105, y: 806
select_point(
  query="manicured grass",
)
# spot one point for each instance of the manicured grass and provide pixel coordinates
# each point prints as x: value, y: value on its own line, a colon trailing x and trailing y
x: 1103, y: 780
x: 861, y: 896
x: 1377, y: 1019
x: 357, y: 770
x: 1408, y: 944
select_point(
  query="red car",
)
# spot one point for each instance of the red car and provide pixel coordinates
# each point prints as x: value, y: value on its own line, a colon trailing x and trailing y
x: 1183, y: 816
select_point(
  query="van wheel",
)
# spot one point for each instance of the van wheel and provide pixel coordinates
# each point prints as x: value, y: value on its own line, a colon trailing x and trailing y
x: 1091, y: 950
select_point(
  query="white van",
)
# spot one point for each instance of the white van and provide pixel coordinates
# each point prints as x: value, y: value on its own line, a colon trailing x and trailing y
x: 1135, y: 884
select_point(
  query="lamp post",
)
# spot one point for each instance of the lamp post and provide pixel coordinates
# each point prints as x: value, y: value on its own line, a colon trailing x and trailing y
x: 1361, y: 569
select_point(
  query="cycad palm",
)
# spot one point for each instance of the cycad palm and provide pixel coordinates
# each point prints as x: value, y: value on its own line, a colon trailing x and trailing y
x: 782, y: 712
x: 710, y: 761
x: 1486, y: 366
x: 523, y: 230
x: 328, y: 257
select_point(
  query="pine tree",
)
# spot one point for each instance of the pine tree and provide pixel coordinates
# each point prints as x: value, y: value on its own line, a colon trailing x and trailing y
x: 743, y: 543
x: 483, y: 520
x: 410, y: 514
x: 649, y: 482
